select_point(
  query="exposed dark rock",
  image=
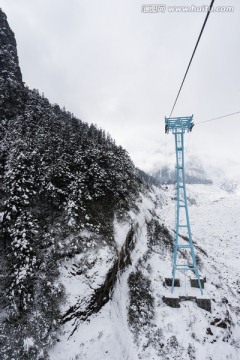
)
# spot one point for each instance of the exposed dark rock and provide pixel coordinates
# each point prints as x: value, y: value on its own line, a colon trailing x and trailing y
x: 219, y: 323
x: 13, y: 94
x: 9, y: 65
x: 222, y: 325
x: 209, y: 331
x: 102, y: 295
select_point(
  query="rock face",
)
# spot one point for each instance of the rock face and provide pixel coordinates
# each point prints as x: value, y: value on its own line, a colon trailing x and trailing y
x: 103, y: 294
x: 12, y: 90
x: 9, y: 65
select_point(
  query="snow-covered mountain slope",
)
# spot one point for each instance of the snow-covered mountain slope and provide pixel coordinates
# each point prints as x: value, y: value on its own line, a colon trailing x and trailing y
x: 231, y: 186
x: 135, y: 323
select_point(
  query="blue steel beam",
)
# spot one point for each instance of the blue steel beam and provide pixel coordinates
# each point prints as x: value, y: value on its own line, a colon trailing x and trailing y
x: 178, y: 126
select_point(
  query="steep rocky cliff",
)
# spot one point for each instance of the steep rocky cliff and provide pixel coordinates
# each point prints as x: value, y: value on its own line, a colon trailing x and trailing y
x: 9, y: 65
x: 59, y: 177
x: 11, y: 85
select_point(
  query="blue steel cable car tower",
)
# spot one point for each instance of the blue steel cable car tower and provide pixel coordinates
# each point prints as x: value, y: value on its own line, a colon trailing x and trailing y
x: 178, y: 126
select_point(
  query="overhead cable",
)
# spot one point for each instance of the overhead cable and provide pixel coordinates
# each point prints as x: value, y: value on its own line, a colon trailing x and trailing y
x: 220, y: 117
x: 199, y: 37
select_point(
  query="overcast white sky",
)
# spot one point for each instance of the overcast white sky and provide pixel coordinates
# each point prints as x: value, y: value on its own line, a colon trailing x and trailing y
x: 115, y: 66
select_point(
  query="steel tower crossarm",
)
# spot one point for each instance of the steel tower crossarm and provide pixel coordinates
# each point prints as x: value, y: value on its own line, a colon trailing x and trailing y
x: 178, y: 126
x: 179, y: 123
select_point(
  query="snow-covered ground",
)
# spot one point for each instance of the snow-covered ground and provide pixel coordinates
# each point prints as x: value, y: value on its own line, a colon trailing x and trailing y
x: 215, y: 225
x: 184, y: 333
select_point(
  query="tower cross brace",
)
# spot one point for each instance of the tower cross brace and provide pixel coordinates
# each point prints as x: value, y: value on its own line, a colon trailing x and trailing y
x: 178, y: 126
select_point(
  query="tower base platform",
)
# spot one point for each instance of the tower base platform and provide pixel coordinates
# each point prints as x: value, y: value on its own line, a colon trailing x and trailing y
x: 193, y: 282
x: 168, y: 282
x: 174, y: 301
x: 189, y: 293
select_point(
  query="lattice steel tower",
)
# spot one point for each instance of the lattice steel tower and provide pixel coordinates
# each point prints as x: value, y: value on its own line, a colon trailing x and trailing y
x: 178, y: 126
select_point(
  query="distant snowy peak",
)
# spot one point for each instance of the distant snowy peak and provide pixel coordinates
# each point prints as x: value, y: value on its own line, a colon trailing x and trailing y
x: 194, y: 175
x: 231, y: 186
